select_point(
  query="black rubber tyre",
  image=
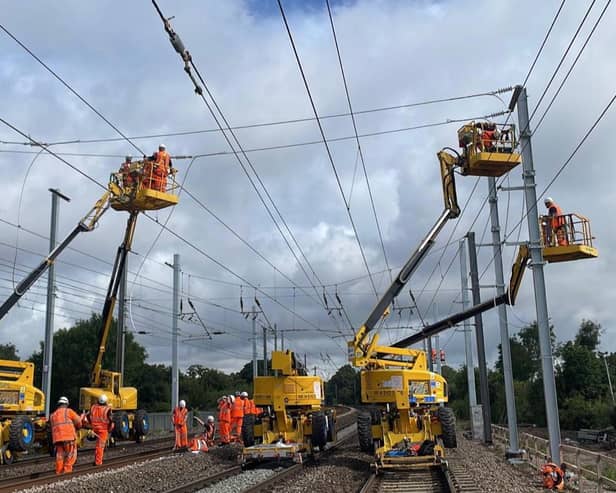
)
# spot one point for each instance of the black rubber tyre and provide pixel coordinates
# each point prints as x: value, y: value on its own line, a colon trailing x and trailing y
x: 121, y: 429
x: 21, y: 434
x: 332, y: 430
x: 426, y: 448
x: 141, y: 425
x: 7, y: 456
x: 319, y: 430
x: 364, y: 432
x: 448, y: 424
x: 248, y: 430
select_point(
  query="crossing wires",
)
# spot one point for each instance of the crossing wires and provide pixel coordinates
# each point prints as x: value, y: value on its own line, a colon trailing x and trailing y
x: 359, y: 149
x: 329, y: 154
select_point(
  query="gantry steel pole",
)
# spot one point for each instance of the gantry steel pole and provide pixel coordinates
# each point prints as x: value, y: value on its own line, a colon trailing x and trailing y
x: 51, y: 299
x: 175, y: 372
x: 484, y: 390
x: 468, y: 337
x: 512, y: 420
x: 536, y: 255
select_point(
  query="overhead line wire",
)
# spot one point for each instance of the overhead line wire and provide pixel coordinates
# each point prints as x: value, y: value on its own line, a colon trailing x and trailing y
x: 65, y: 84
x: 329, y: 154
x: 361, y: 154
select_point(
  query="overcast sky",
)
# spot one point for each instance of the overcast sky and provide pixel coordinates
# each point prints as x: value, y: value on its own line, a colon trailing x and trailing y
x: 119, y: 59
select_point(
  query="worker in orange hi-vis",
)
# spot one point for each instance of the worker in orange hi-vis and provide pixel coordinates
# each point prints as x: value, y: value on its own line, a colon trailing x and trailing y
x: 159, y: 167
x: 100, y: 418
x: 553, y: 476
x: 237, y: 415
x: 64, y: 421
x: 224, y: 418
x: 558, y: 223
x: 180, y: 415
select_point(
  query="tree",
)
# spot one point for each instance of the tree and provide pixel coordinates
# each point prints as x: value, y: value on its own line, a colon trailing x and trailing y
x: 589, y: 335
x: 344, y: 387
x: 74, y: 353
x: 9, y: 351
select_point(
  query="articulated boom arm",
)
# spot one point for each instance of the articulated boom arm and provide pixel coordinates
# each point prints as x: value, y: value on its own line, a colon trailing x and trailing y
x: 517, y: 272
x: 360, y: 351
x: 112, y: 294
x: 87, y: 223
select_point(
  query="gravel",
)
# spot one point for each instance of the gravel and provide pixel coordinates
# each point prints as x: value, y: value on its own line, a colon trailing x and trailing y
x: 155, y: 475
x: 240, y: 482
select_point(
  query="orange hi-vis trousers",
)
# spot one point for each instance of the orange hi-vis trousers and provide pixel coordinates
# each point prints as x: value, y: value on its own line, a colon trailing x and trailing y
x: 236, y: 426
x: 66, y: 456
x: 181, y: 436
x: 224, y: 429
x: 101, y: 442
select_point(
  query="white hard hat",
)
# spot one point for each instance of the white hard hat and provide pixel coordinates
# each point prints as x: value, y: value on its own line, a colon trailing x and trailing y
x: 232, y: 398
x: 63, y: 400
x: 548, y: 200
x: 244, y: 394
x: 210, y: 419
x: 182, y: 403
x: 162, y: 146
x: 102, y: 399
x: 237, y: 392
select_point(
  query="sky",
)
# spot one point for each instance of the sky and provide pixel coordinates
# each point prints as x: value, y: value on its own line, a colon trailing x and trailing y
x: 394, y: 53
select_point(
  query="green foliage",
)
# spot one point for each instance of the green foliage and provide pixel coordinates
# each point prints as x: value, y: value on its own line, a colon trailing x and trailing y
x: 589, y: 335
x: 74, y: 351
x: 578, y: 412
x: 343, y: 387
x: 9, y: 351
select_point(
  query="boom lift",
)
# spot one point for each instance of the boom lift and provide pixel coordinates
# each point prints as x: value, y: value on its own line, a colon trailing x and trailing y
x: 131, y: 191
x: 293, y: 421
x: 408, y: 424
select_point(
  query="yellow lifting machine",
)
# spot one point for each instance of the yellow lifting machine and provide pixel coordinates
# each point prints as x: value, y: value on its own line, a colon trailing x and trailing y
x: 292, y: 420
x: 407, y: 423
x: 134, y: 189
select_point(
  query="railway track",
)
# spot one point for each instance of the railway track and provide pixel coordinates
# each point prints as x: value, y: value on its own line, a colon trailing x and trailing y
x: 46, y: 477
x: 346, y: 434
x: 437, y: 479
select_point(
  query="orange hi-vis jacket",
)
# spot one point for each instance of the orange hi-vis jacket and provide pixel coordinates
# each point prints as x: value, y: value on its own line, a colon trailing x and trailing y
x: 250, y: 407
x: 162, y: 160
x: 64, y: 421
x: 179, y: 416
x: 100, y: 417
x: 237, y: 408
x: 224, y: 412
x: 556, y: 213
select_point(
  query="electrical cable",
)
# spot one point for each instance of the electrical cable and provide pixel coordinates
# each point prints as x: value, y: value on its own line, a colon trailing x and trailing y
x: 359, y: 149
x: 329, y: 154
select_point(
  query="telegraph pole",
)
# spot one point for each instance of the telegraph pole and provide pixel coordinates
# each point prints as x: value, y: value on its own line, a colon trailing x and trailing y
x: 275, y: 337
x: 536, y: 255
x: 264, y: 351
x: 437, y: 343
x: 175, y: 372
x: 121, y: 327
x: 468, y: 337
x: 512, y: 420
x: 429, y: 351
x: 51, y: 298
x: 255, y: 370
x: 484, y: 390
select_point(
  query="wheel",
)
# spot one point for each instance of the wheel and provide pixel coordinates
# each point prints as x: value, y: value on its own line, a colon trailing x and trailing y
x: 21, y: 434
x: 248, y: 430
x: 426, y: 448
x: 7, y: 456
x: 319, y: 430
x: 448, y: 425
x: 141, y: 425
x: 332, y: 431
x: 364, y: 432
x: 121, y: 429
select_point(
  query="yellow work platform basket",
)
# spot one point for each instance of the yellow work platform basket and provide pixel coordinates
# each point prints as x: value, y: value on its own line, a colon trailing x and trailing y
x: 488, y: 149
x: 567, y: 237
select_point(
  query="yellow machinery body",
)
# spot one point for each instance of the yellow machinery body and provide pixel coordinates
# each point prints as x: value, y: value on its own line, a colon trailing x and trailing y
x: 23, y: 427
x: 292, y: 420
